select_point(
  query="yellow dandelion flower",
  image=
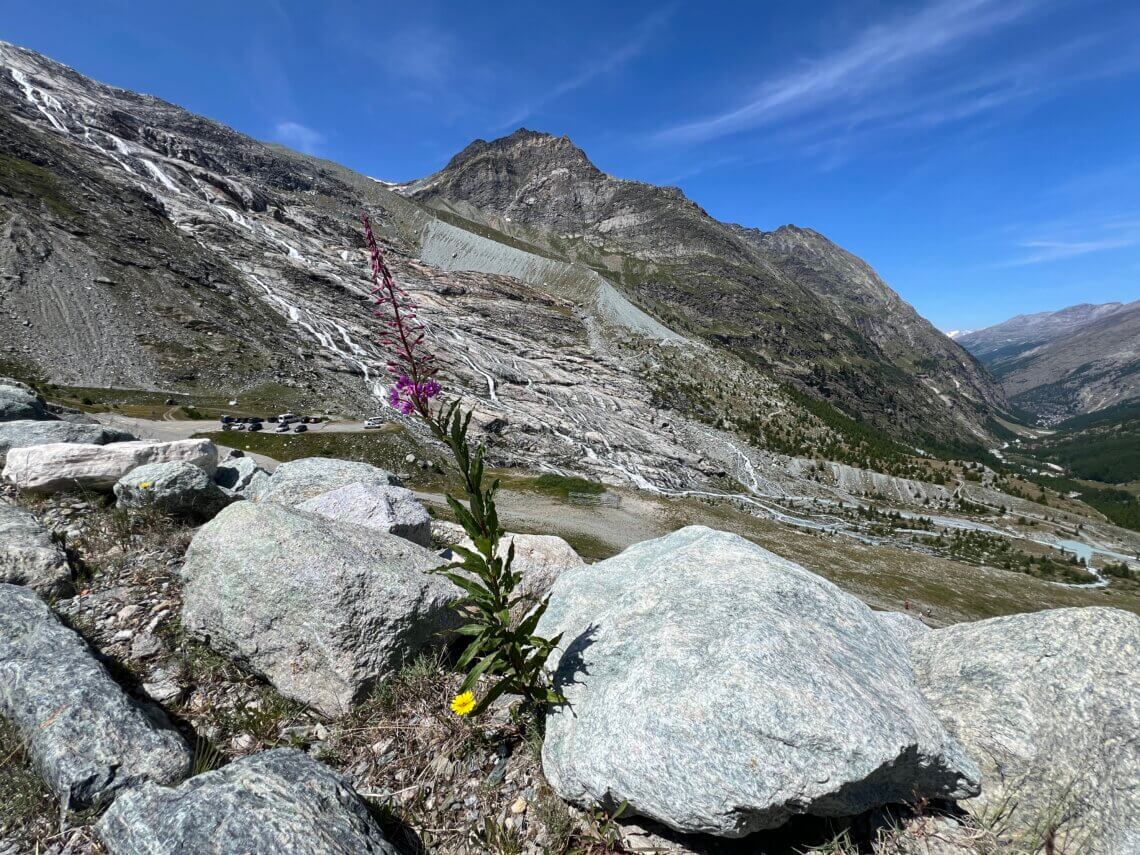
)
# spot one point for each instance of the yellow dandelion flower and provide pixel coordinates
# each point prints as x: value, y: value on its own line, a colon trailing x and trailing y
x: 145, y: 485
x: 463, y: 703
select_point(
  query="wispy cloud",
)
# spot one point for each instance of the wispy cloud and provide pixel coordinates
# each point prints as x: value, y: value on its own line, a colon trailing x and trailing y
x: 877, y: 59
x: 638, y: 43
x: 1044, y: 251
x: 298, y: 136
x: 1061, y: 239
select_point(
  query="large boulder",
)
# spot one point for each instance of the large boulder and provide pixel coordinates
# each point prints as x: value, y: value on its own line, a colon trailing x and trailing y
x: 20, y: 401
x: 264, y: 804
x: 321, y: 609
x: 240, y: 476
x: 25, y: 432
x: 88, y: 738
x: 718, y: 688
x: 377, y: 506
x: 299, y: 480
x: 66, y: 466
x: 28, y: 555
x: 1048, y: 704
x: 177, y: 488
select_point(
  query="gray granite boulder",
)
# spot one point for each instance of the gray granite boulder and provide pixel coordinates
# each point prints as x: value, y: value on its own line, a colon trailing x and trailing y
x: 28, y: 555
x: 1048, y: 704
x: 88, y: 738
x: 299, y: 480
x: 376, y: 506
x: 716, y: 687
x: 903, y: 625
x: 20, y: 401
x: 278, y: 801
x: 25, y: 432
x: 177, y: 488
x: 321, y: 609
x: 70, y: 466
x: 239, y: 476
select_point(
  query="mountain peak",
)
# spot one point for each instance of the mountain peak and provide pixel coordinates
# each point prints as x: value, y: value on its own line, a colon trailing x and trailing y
x: 529, y: 149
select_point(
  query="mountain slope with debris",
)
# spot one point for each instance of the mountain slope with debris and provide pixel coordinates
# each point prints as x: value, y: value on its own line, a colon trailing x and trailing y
x: 790, y: 301
x: 1056, y: 365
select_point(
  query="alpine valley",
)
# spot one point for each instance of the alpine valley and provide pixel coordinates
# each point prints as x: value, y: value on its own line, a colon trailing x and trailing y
x: 623, y: 335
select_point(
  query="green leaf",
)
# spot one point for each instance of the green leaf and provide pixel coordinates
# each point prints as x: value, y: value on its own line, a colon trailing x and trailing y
x: 491, y: 696
x: 487, y: 662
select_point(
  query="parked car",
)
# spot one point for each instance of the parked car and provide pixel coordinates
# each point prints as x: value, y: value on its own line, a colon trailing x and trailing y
x: 227, y: 419
x: 373, y: 422
x: 254, y: 426
x: 299, y: 428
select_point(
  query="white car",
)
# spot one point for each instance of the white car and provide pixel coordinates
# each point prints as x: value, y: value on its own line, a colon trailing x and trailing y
x: 374, y: 422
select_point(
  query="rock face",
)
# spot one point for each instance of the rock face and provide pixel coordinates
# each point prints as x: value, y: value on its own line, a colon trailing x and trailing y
x: 25, y: 432
x: 240, y: 475
x: 177, y: 488
x: 1048, y: 704
x: 66, y: 466
x: 377, y: 506
x: 299, y: 480
x: 19, y: 401
x: 719, y: 688
x: 322, y: 609
x: 88, y: 738
x: 28, y: 555
x: 268, y: 803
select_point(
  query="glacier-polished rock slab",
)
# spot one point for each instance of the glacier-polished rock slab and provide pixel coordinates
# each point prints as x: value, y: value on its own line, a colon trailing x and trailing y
x: 268, y: 803
x: 89, y: 740
x: 719, y: 688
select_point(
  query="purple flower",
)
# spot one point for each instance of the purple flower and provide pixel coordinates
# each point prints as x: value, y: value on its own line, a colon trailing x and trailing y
x: 410, y: 363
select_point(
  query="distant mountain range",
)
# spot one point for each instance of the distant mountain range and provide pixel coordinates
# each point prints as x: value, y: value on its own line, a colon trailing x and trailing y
x: 1055, y: 365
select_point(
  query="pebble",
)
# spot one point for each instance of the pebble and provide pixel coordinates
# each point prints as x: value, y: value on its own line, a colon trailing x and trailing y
x: 128, y: 612
x: 519, y: 805
x: 145, y: 645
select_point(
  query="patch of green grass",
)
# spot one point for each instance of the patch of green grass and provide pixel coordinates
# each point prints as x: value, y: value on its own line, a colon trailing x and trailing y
x: 564, y: 485
x: 25, y: 801
x: 22, y: 178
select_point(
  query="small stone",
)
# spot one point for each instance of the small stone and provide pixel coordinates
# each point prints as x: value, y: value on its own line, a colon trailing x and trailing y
x: 145, y: 645
x: 127, y: 612
x: 123, y: 635
x: 410, y: 458
x: 163, y: 686
x: 518, y: 805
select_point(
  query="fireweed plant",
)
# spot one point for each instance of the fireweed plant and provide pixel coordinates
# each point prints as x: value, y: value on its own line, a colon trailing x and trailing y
x: 513, y: 656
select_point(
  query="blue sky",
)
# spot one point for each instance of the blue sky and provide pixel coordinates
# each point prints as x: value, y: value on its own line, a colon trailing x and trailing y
x: 982, y: 155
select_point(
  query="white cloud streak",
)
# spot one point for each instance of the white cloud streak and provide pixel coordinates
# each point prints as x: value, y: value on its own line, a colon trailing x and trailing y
x: 298, y: 136
x: 878, y: 59
x: 609, y: 62
x: 1045, y: 251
